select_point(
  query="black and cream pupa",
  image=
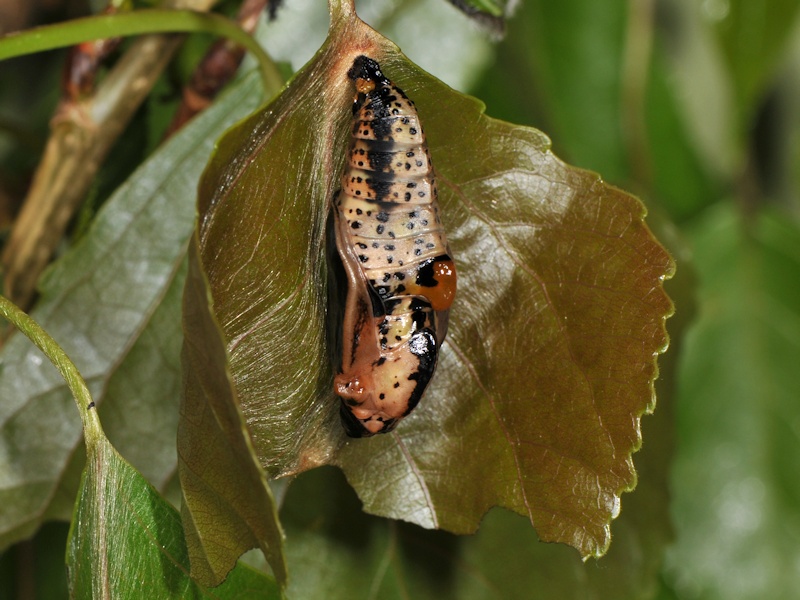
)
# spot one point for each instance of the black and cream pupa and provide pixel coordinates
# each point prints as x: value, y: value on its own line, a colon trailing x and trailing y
x: 401, y: 276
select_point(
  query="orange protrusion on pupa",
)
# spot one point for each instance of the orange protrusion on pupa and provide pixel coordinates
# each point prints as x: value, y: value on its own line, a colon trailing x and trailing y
x: 364, y: 86
x: 442, y: 294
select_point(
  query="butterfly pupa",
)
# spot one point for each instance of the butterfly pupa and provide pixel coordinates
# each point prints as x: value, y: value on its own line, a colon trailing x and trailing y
x: 401, y: 276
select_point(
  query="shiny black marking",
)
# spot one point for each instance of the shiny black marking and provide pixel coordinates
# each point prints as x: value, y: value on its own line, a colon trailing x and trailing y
x: 378, y: 309
x: 425, y: 274
x: 423, y: 345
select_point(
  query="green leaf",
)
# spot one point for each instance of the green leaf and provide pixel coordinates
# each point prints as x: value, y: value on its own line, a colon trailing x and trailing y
x: 691, y: 105
x: 550, y: 358
x: 569, y: 65
x: 140, y: 415
x: 685, y: 180
x: 101, y: 302
x: 735, y: 485
x: 565, y: 61
x: 753, y: 36
x: 127, y: 542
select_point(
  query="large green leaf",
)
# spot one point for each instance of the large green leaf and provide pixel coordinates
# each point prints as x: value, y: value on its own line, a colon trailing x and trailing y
x: 735, y: 482
x: 113, y: 303
x: 550, y: 359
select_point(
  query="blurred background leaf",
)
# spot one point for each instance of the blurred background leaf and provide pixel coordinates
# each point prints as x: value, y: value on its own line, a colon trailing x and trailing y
x: 736, y: 494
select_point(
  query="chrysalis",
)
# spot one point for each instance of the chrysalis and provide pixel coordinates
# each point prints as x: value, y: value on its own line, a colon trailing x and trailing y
x: 401, y: 277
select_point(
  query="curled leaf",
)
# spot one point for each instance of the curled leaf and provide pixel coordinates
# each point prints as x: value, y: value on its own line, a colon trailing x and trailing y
x: 550, y: 357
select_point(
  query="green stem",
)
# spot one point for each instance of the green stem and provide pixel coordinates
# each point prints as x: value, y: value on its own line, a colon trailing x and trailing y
x: 138, y: 22
x: 92, y: 430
